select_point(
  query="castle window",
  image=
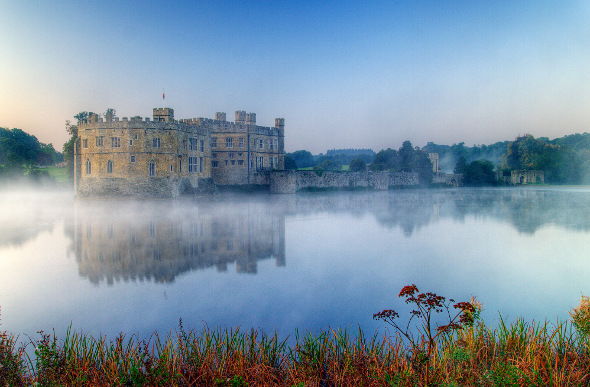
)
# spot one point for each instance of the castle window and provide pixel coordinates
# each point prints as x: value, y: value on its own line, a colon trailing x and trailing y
x: 156, y: 142
x: 271, y: 159
x: 276, y: 141
x: 110, y: 166
x: 213, y: 143
x: 233, y: 162
x: 136, y: 136
x: 214, y: 164
x: 261, y: 162
x: 179, y: 165
x: 241, y: 142
x: 152, y: 168
x: 132, y: 158
x: 202, y: 146
x: 229, y: 142
x: 192, y: 144
x: 184, y: 144
x: 85, y: 143
x: 130, y: 142
x: 99, y: 141
x: 271, y: 144
x: 171, y: 168
x: 88, y: 167
x: 200, y: 164
x: 231, y: 155
x: 239, y: 154
x: 115, y: 142
x: 214, y: 155
x: 225, y: 162
x: 240, y: 162
x: 192, y: 164
x: 261, y: 144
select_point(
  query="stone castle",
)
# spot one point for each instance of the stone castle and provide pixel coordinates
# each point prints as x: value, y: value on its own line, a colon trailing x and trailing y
x: 164, y: 157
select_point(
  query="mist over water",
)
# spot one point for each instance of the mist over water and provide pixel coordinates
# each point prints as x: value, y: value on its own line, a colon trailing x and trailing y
x: 286, y: 262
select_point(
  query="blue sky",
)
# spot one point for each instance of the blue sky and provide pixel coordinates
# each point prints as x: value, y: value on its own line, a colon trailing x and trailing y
x: 343, y: 74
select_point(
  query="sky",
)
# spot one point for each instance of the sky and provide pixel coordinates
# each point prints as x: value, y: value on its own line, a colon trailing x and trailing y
x: 343, y: 74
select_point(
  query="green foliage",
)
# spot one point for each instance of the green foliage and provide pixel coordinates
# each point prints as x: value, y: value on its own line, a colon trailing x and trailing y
x: 460, y: 166
x: 479, y: 173
x: 581, y: 317
x: 560, y: 163
x: 302, y: 158
x: 384, y: 160
x: 406, y: 159
x: 328, y: 165
x: 357, y: 165
x: 290, y: 163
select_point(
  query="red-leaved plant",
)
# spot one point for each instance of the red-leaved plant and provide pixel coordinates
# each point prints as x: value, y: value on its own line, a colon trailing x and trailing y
x: 425, y: 306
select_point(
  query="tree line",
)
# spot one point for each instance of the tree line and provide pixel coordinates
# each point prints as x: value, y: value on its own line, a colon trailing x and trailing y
x: 564, y: 160
x: 21, y: 153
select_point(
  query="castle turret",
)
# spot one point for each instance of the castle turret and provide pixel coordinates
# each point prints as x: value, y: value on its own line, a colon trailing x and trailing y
x: 164, y: 114
x: 220, y: 116
x: 240, y: 117
x: 251, y: 118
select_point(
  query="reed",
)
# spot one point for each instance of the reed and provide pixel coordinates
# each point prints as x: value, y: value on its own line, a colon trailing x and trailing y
x: 510, y: 354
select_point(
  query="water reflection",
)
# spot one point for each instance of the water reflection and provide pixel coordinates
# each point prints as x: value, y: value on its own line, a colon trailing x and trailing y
x: 159, y: 240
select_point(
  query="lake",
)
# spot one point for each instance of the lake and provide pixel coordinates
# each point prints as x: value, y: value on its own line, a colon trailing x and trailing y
x: 309, y: 261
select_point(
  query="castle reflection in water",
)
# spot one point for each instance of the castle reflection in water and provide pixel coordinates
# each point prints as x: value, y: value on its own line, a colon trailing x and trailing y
x: 159, y: 240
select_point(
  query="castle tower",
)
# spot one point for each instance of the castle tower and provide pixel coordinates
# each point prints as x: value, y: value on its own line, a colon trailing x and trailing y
x: 251, y: 118
x: 240, y: 117
x: 220, y: 116
x: 164, y: 114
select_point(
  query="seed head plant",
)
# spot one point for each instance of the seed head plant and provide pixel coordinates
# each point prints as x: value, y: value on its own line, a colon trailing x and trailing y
x: 426, y: 306
x: 581, y: 317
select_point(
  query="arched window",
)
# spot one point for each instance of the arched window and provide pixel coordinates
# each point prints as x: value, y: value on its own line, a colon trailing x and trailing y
x: 110, y: 166
x: 152, y: 168
x: 88, y: 167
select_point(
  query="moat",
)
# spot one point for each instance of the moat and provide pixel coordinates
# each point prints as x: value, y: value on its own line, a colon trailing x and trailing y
x: 286, y: 262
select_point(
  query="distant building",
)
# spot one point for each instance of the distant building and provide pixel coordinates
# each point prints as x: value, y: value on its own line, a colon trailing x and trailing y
x: 164, y: 157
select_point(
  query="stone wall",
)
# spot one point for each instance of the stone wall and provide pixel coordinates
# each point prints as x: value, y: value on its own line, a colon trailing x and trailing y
x: 293, y: 181
x: 454, y: 180
x: 522, y: 176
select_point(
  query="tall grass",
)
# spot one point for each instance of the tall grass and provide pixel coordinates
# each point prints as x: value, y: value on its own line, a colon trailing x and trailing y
x: 517, y: 354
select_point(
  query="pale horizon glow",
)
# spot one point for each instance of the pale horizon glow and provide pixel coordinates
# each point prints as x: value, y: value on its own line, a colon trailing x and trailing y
x: 342, y: 74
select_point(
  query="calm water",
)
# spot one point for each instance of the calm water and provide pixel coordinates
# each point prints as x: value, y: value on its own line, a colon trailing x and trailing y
x: 307, y: 261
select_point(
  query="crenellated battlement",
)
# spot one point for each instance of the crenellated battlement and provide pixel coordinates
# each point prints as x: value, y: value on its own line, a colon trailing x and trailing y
x: 136, y: 154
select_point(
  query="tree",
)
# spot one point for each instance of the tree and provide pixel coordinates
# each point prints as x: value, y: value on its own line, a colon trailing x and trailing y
x: 290, y: 163
x: 18, y: 149
x: 405, y: 157
x: 68, y: 148
x: 357, y: 165
x: 479, y: 173
x: 384, y: 160
x: 460, y: 166
x: 422, y: 165
x: 303, y: 158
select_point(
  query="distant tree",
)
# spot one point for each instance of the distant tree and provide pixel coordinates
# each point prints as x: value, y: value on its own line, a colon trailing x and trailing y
x: 405, y: 157
x: 290, y: 163
x: 110, y: 113
x: 479, y: 173
x: 460, y: 166
x: 68, y: 148
x: 422, y: 165
x: 303, y: 158
x: 357, y: 165
x: 18, y: 149
x: 384, y: 160
x: 328, y: 165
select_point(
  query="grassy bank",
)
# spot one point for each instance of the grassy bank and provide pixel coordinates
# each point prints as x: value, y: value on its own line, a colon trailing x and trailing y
x: 519, y: 354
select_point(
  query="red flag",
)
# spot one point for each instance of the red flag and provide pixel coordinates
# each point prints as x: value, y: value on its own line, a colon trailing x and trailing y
x: 163, y: 95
